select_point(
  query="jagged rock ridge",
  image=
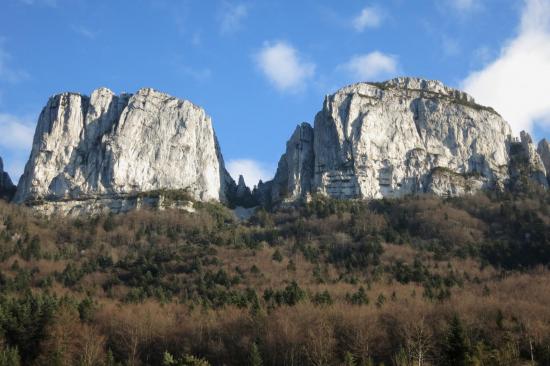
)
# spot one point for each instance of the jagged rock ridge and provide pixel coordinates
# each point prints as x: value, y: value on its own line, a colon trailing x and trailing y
x: 544, y: 152
x: 400, y: 137
x: 370, y: 140
x: 7, y: 188
x: 105, y: 151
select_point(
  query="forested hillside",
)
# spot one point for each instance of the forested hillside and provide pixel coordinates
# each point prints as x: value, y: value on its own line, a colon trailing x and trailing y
x: 415, y: 281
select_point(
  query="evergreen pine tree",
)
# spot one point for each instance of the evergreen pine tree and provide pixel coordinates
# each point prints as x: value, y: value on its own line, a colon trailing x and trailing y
x: 456, y: 347
x: 255, y: 356
x: 9, y: 357
x: 349, y: 360
x: 277, y: 256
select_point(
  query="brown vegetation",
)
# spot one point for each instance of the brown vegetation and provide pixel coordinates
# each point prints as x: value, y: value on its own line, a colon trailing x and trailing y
x: 418, y: 281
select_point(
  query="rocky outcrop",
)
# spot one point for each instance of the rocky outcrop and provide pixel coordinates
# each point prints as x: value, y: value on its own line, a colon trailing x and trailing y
x: 543, y: 150
x: 526, y: 167
x: 537, y: 170
x: 294, y: 174
x: 7, y: 188
x: 107, y: 151
x: 241, y: 196
x: 396, y: 138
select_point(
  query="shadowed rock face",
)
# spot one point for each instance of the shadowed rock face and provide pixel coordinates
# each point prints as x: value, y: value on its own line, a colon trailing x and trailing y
x: 7, y: 189
x: 544, y: 152
x: 295, y: 169
x: 111, y: 147
x: 400, y: 137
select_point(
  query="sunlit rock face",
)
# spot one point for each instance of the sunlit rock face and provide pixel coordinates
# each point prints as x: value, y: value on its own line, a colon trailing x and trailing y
x: 400, y: 137
x: 7, y: 189
x: 111, y: 147
x: 533, y: 160
x: 405, y: 136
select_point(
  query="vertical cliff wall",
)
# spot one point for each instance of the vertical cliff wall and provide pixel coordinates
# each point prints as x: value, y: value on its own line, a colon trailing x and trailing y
x: 109, y: 147
x: 400, y: 137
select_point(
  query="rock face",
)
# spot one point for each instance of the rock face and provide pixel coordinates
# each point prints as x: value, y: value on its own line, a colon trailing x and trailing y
x: 400, y: 137
x: 533, y: 161
x: 7, y: 189
x: 240, y: 195
x: 104, y: 150
x: 543, y: 150
x: 370, y: 140
x: 295, y: 169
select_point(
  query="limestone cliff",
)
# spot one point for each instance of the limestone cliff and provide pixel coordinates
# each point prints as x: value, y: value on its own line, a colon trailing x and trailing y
x: 295, y: 169
x: 102, y: 151
x: 543, y: 150
x: 400, y: 137
x: 7, y: 189
x: 370, y: 140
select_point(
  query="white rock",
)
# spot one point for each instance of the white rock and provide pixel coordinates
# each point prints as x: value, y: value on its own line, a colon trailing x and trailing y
x: 400, y: 137
x: 544, y: 153
x: 109, y: 146
x: 534, y: 161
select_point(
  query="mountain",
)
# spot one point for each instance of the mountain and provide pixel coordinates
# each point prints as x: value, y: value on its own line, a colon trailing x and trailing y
x: 400, y: 137
x: 370, y: 140
x: 120, y: 152
x: 544, y: 152
x: 7, y: 188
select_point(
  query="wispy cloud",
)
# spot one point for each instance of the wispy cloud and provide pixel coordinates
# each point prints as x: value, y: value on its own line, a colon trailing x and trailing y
x: 252, y: 170
x: 199, y: 74
x: 232, y: 16
x: 9, y: 73
x: 17, y: 132
x: 482, y: 56
x: 370, y: 17
x: 50, y: 3
x: 196, y: 39
x: 461, y: 9
x: 464, y: 5
x: 451, y: 46
x: 281, y: 63
x: 85, y: 32
x: 516, y: 82
x: 371, y: 66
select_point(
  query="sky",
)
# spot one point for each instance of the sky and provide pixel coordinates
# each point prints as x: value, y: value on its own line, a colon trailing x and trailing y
x: 259, y: 68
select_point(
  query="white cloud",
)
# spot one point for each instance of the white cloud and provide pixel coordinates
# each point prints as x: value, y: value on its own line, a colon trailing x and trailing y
x: 370, y: 17
x: 17, y: 133
x: 232, y: 16
x: 282, y: 65
x: 371, y: 66
x: 251, y: 170
x: 15, y: 143
x: 516, y: 83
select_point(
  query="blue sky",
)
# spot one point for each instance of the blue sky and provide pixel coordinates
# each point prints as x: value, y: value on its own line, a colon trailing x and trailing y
x: 261, y: 67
